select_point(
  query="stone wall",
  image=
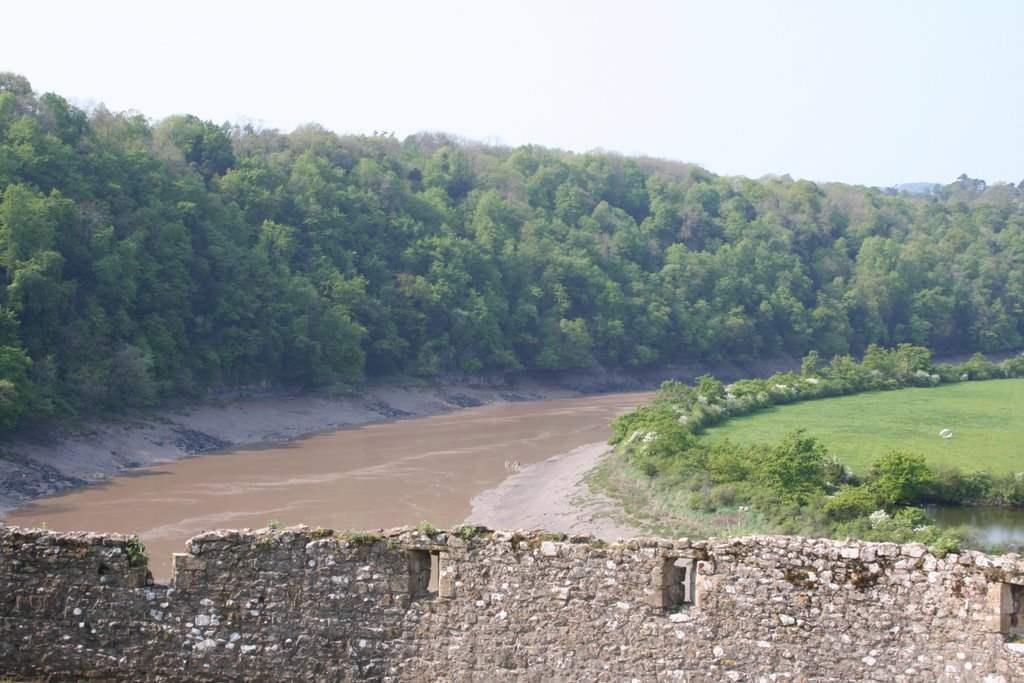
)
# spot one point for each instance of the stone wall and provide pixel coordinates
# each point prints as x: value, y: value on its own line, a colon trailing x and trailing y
x: 304, y: 604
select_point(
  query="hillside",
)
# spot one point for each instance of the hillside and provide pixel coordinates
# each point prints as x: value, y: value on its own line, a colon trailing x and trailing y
x: 144, y: 260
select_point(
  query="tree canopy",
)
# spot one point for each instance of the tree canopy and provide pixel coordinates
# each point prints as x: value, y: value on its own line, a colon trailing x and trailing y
x: 142, y: 260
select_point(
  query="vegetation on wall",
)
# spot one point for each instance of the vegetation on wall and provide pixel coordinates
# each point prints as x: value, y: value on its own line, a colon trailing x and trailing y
x: 142, y: 260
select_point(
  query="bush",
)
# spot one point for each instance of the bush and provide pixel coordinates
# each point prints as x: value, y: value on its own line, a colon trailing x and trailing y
x: 724, y: 495
x: 794, y: 469
x: 1007, y: 490
x: 979, y: 368
x: 702, y: 502
x: 955, y: 487
x: 1013, y: 367
x: 836, y: 473
x: 851, y: 502
x: 728, y: 462
x: 901, y: 478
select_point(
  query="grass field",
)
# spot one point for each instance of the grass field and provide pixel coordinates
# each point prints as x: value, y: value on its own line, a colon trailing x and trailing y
x: 987, y: 419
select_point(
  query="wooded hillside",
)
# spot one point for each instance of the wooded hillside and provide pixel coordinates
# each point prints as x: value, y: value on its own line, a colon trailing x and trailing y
x: 143, y: 259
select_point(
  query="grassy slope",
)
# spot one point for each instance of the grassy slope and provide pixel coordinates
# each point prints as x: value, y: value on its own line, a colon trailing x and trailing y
x: 987, y: 419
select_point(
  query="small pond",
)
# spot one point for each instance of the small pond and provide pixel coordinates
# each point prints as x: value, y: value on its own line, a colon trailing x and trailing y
x: 991, y: 525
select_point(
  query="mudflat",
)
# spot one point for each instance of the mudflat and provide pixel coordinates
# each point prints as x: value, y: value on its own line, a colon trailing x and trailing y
x: 379, y: 475
x: 551, y: 495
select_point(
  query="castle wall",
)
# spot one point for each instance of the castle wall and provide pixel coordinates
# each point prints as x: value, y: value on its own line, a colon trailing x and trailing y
x: 304, y: 604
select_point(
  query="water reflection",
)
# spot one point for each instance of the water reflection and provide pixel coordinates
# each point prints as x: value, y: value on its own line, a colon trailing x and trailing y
x: 989, y: 525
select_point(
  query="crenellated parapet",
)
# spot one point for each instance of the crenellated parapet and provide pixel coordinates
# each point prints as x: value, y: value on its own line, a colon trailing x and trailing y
x: 462, y: 605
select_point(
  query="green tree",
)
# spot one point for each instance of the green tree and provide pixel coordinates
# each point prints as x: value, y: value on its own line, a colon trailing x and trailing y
x: 851, y: 502
x: 810, y: 366
x: 794, y: 468
x: 203, y: 145
x: 15, y: 387
x: 711, y: 389
x: 901, y: 478
x: 25, y: 224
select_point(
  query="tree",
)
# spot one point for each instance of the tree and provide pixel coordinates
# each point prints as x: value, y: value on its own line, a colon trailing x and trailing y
x: 449, y: 170
x: 851, y: 502
x: 810, y: 366
x: 340, y: 355
x: 794, y: 468
x: 15, y: 84
x: 25, y: 225
x: 15, y: 386
x: 203, y: 145
x: 38, y: 296
x: 130, y: 381
x: 711, y: 389
x: 901, y: 478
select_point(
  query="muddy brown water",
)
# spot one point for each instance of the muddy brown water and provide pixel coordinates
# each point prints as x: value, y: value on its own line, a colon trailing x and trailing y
x: 376, y: 476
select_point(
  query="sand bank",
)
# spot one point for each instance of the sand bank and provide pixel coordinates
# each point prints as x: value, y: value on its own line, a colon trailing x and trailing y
x: 551, y: 495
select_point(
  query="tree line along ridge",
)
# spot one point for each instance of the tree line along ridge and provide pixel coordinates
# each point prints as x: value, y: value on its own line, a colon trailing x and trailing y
x: 143, y: 260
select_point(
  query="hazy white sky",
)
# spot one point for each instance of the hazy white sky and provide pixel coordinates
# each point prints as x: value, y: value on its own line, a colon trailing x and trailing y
x: 864, y: 91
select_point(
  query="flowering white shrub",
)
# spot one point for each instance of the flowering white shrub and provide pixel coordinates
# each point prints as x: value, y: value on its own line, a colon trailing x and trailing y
x: 879, y: 518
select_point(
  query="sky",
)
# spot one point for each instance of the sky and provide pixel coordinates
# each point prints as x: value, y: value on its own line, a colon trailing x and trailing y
x: 873, y: 92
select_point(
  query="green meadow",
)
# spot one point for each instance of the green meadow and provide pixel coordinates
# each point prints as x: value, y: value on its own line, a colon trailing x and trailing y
x: 987, y: 420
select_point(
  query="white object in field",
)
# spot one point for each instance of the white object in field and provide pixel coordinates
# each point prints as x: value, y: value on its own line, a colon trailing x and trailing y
x: 946, y: 433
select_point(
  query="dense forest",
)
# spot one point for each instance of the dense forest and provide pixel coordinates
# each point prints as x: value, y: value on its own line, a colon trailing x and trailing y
x: 143, y: 260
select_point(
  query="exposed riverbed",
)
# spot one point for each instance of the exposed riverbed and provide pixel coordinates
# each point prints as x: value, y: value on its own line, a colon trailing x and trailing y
x: 374, y: 476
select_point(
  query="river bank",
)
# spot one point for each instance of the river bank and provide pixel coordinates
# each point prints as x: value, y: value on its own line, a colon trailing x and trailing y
x: 552, y: 496
x: 46, y: 458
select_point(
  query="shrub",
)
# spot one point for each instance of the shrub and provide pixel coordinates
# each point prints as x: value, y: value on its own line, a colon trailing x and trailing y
x: 794, y: 469
x: 137, y: 555
x: 357, y: 538
x: 710, y: 389
x: 836, y: 473
x: 724, y: 495
x: 901, y: 478
x: 906, y: 525
x: 955, y: 487
x: 1013, y: 367
x: 726, y: 461
x: 467, y: 532
x: 1007, y: 490
x: 979, y: 368
x: 702, y: 501
x: 851, y: 502
x: 948, y: 541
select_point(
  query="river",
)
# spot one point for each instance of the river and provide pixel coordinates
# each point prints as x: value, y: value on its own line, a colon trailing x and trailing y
x: 990, y: 525
x: 376, y: 476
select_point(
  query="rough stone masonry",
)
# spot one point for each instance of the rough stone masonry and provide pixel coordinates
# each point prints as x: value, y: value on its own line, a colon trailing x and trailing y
x: 402, y: 605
